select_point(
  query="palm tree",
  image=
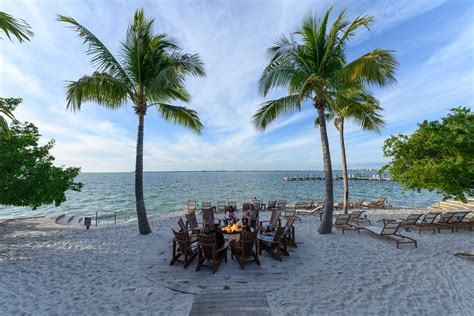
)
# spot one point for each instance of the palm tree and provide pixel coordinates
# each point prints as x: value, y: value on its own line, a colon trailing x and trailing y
x: 16, y: 27
x: 311, y: 64
x: 22, y: 31
x: 363, y: 109
x: 150, y: 73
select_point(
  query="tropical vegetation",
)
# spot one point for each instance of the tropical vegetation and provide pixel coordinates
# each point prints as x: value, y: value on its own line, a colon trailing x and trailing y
x: 149, y: 72
x: 311, y: 64
x: 438, y: 156
x: 360, y: 107
x: 29, y: 177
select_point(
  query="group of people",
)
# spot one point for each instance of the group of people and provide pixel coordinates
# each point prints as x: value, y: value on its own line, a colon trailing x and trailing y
x: 249, y: 217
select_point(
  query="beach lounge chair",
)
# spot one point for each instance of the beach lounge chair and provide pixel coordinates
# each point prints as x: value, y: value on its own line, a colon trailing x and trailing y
x: 222, y: 207
x: 246, y: 247
x: 192, y: 223
x: 208, y: 218
x: 308, y: 205
x: 272, y: 205
x: 357, y: 204
x: 271, y: 224
x: 192, y: 206
x: 339, y: 206
x: 411, y: 219
x: 182, y: 246
x: 342, y: 222
x: 448, y: 220
x: 208, y: 251
x: 426, y: 223
x: 381, y: 203
x: 356, y: 217
x: 206, y: 205
x: 462, y: 221
x: 273, y: 243
x: 389, y: 231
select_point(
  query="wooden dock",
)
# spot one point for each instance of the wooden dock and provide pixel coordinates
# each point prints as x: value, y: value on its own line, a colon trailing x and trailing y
x: 351, y: 177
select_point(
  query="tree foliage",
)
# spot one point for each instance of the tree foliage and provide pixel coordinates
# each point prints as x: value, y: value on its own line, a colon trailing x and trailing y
x: 7, y: 105
x: 18, y: 28
x: 438, y: 156
x: 28, y: 176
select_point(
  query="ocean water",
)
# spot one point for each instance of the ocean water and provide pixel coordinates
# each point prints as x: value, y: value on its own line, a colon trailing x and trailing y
x: 166, y: 192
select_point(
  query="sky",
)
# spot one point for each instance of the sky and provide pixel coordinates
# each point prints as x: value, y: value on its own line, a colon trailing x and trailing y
x: 433, y: 40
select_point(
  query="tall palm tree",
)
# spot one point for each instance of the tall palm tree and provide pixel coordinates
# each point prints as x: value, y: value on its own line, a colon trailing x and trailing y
x: 16, y: 27
x: 150, y: 73
x: 311, y: 64
x: 4, y: 129
x: 363, y: 109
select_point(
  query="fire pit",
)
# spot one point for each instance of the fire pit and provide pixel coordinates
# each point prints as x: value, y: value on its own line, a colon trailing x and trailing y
x: 229, y: 229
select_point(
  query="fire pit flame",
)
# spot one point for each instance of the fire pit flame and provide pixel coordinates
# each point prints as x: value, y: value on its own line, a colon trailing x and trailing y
x: 231, y: 228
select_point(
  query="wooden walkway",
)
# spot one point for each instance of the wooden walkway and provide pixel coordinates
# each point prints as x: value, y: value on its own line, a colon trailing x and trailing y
x: 230, y: 304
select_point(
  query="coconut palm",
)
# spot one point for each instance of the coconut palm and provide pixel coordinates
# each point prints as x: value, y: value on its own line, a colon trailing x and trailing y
x: 364, y: 110
x: 150, y: 73
x: 311, y: 64
x: 15, y: 27
x: 4, y: 129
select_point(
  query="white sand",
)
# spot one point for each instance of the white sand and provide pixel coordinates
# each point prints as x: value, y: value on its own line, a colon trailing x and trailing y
x: 56, y: 270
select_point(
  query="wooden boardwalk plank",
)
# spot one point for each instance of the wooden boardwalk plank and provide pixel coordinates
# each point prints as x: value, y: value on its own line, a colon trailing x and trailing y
x: 230, y: 303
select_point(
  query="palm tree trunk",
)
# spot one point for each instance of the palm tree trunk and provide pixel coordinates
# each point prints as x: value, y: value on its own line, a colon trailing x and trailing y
x: 143, y: 226
x: 326, y: 222
x: 344, y: 166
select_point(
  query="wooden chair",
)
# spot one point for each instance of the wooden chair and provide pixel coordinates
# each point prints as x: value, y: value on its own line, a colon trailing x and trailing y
x: 273, y: 223
x: 192, y: 223
x: 426, y: 223
x: 342, y: 222
x: 272, y: 205
x: 389, y: 231
x: 246, y: 247
x: 208, y: 251
x: 281, y: 205
x: 221, y: 207
x: 250, y: 218
x: 206, y: 205
x: 289, y: 232
x: 182, y: 246
x: 192, y: 206
x: 208, y: 218
x: 273, y: 243
x: 356, y: 217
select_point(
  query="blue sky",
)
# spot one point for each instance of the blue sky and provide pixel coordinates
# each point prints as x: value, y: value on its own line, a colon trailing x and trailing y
x: 433, y: 42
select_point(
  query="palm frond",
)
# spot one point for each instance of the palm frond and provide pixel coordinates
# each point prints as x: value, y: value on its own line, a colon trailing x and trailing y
x: 270, y: 110
x: 376, y: 67
x: 99, y: 87
x: 15, y: 27
x: 101, y: 57
x: 181, y: 116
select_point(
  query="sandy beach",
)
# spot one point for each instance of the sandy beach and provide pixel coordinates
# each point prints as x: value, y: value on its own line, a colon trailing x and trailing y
x: 50, y: 269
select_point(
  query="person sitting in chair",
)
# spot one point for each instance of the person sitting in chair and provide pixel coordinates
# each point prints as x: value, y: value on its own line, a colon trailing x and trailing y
x: 230, y: 216
x: 250, y: 217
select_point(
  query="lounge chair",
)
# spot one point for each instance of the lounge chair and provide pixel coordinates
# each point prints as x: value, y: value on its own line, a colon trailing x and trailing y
x: 411, y: 219
x: 317, y: 210
x: 192, y: 223
x: 208, y: 251
x: 342, y: 222
x: 246, y: 247
x: 389, y: 231
x: 381, y: 203
x: 450, y: 220
x: 308, y: 204
x: 222, y: 207
x: 192, y: 206
x: 338, y: 206
x: 272, y: 224
x: 426, y: 223
x: 463, y: 222
x: 182, y: 246
x: 272, y: 205
x: 273, y: 243
x: 356, y: 217
x: 357, y: 204
x: 206, y: 205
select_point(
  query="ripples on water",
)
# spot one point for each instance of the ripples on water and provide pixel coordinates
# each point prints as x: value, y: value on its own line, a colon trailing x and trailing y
x: 168, y: 191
